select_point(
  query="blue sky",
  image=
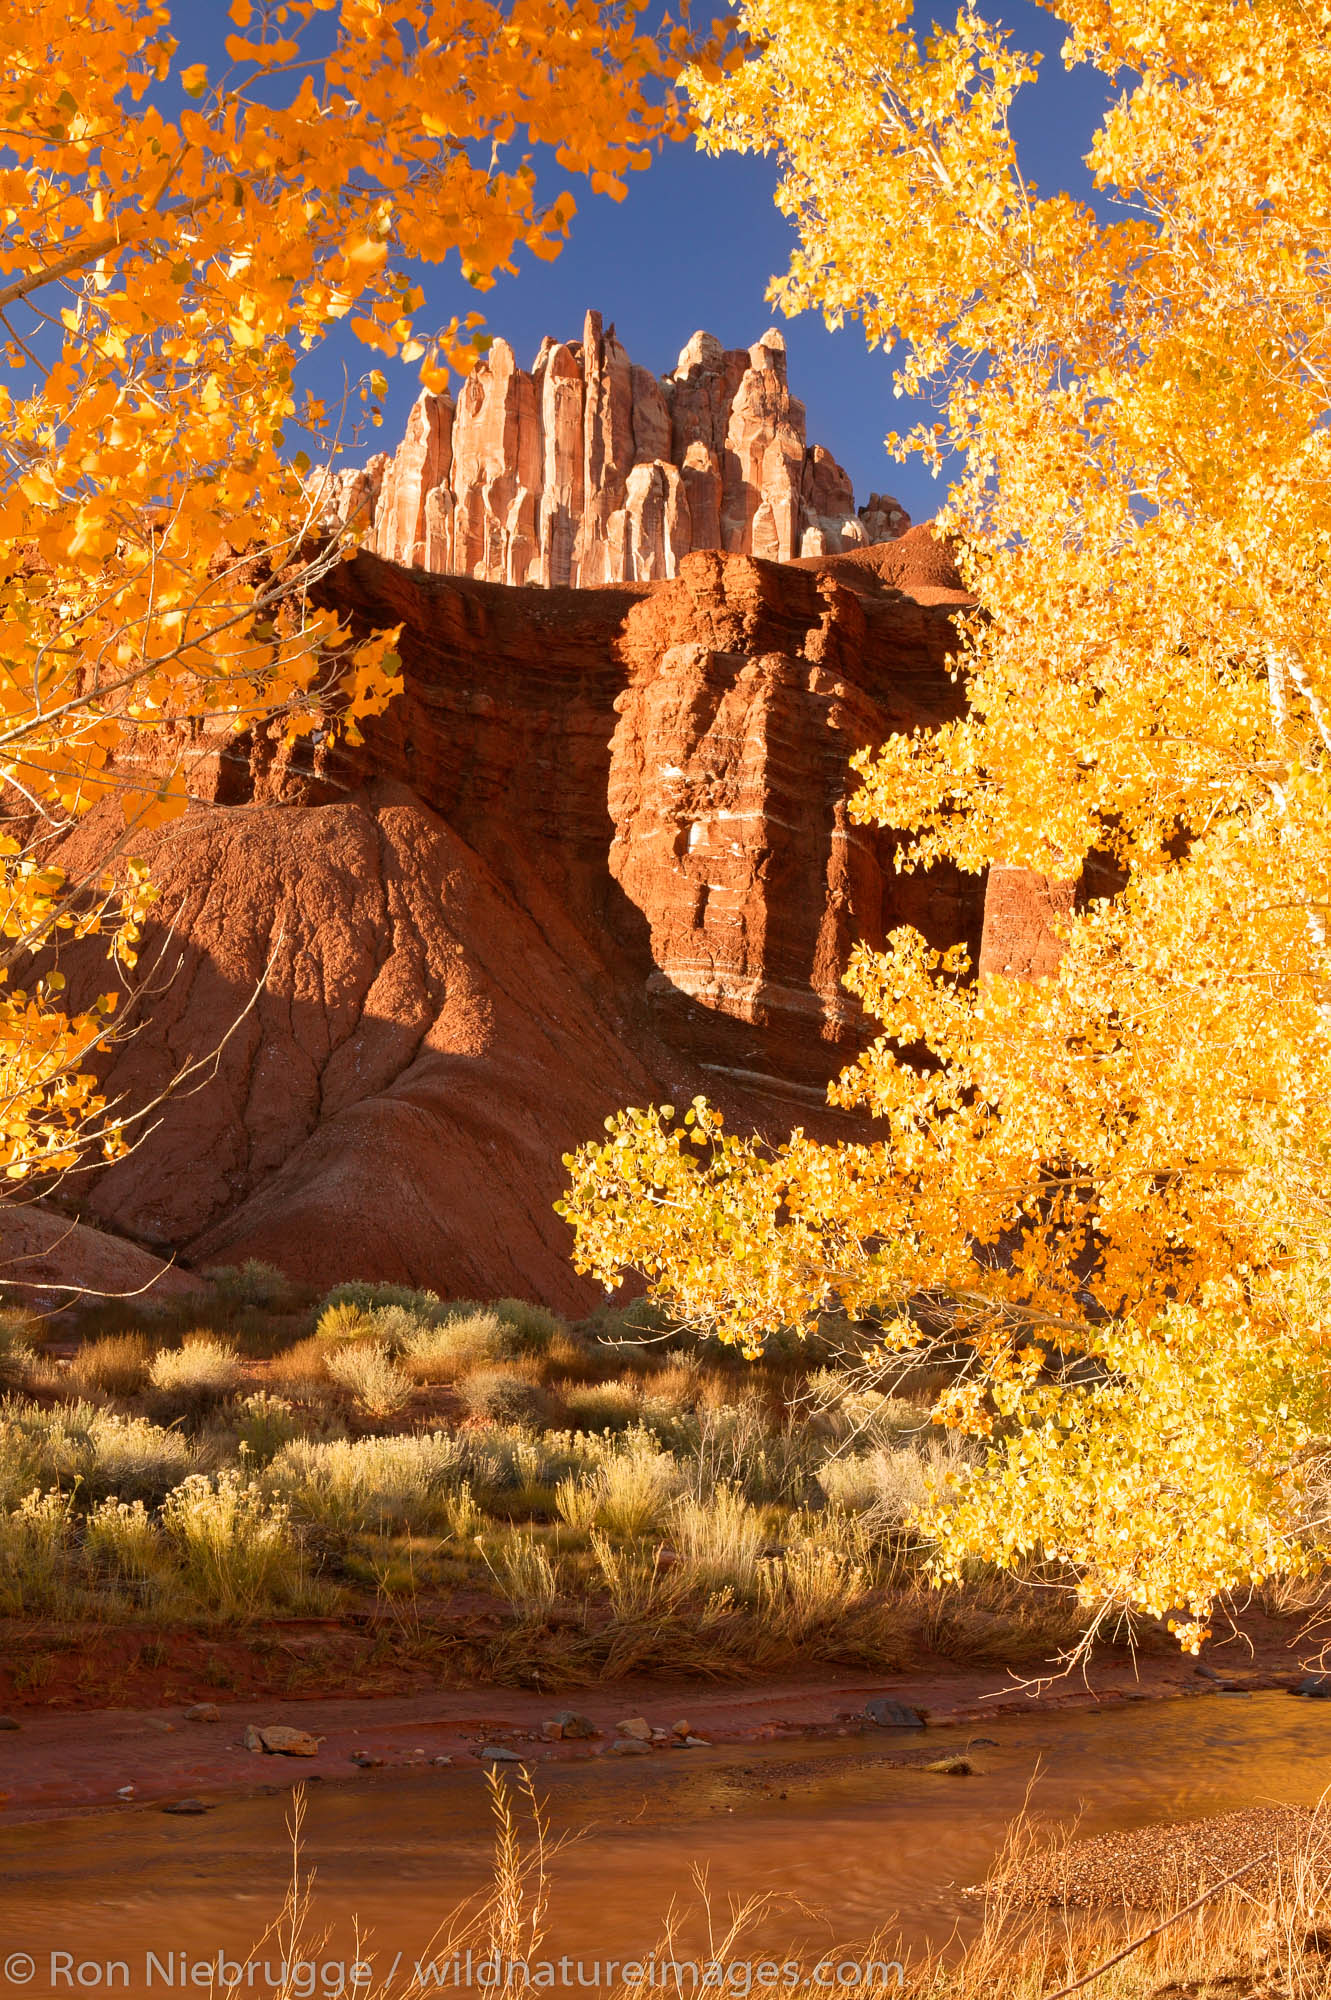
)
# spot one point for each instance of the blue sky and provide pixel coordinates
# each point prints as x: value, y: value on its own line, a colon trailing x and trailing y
x: 694, y: 244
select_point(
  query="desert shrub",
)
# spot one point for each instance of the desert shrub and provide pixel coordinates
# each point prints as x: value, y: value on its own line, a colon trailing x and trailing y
x: 195, y: 1376
x: 639, y: 1320
x: 886, y: 1486
x: 86, y: 1452
x: 122, y: 1540
x: 252, y: 1286
x: 454, y: 1347
x: 531, y: 1327
x: 603, y: 1406
x: 739, y: 1445
x: 364, y: 1297
x: 718, y: 1541
x: 263, y: 1423
x: 115, y: 1365
x: 368, y: 1372
x: 409, y: 1481
x: 236, y: 1546
x: 506, y: 1394
x: 18, y: 1352
x: 133, y: 1458
x: 34, y: 1542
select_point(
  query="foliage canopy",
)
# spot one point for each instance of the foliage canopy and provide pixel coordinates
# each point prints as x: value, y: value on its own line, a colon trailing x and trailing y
x: 1112, y: 1184
x: 171, y: 243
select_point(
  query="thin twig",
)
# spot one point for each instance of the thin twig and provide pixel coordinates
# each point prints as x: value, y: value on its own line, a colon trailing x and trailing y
x: 1146, y: 1936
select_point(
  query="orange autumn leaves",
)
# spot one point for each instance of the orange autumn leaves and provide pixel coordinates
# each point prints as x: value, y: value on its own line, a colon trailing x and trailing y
x: 1113, y: 1185
x: 174, y: 236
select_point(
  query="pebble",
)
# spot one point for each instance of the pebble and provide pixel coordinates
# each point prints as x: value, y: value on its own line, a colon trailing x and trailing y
x: 629, y: 1746
x: 203, y: 1711
x: 188, y: 1808
x: 8, y: 1722
x: 365, y: 1760
x: 441, y: 1760
x: 636, y: 1727
x: 569, y: 1725
x: 497, y: 1754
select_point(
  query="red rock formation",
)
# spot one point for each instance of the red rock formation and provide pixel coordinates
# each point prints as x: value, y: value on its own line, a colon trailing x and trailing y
x: 49, y: 1262
x: 596, y: 853
x: 589, y: 470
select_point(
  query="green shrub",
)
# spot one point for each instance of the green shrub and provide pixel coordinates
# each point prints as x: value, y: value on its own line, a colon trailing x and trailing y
x: 251, y: 1286
x: 115, y: 1365
x: 531, y: 1327
x: 263, y: 1424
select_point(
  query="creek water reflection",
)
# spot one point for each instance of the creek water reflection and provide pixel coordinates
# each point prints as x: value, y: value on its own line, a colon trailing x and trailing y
x: 845, y: 1841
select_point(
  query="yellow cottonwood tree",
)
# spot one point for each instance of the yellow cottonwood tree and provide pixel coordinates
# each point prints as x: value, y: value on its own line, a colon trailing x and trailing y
x: 172, y: 240
x: 1113, y: 1184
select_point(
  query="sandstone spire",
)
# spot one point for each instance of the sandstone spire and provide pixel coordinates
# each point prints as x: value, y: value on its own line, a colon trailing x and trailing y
x: 589, y: 469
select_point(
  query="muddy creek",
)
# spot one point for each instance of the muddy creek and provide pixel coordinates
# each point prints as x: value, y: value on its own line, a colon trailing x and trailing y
x: 844, y: 1841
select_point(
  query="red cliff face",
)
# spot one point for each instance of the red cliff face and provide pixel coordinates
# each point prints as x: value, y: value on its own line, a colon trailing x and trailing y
x: 597, y: 853
x: 588, y: 469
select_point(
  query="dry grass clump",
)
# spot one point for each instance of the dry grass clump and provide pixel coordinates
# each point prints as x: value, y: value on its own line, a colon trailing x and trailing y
x: 301, y: 1368
x: 115, y: 1365
x: 194, y: 1376
x: 628, y: 1494
x: 366, y: 1370
x: 718, y: 1541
